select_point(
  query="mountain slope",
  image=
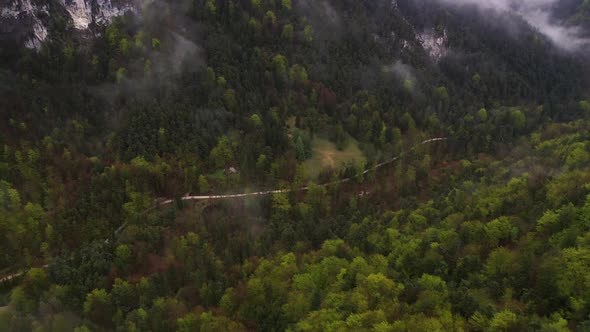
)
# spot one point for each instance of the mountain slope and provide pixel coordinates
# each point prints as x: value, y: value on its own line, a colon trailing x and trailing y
x: 485, y: 230
x: 28, y: 21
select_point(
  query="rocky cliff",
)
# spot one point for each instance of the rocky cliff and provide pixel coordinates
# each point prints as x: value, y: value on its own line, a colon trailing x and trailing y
x: 27, y: 21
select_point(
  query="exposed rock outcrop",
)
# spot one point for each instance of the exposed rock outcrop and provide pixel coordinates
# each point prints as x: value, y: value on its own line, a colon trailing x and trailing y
x: 26, y: 21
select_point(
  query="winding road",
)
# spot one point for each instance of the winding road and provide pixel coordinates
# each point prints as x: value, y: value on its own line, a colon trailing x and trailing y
x: 278, y: 191
x: 162, y: 202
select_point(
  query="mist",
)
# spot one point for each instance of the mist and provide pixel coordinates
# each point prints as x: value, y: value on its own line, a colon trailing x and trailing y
x: 401, y: 71
x: 405, y: 75
x: 322, y: 9
x: 537, y: 13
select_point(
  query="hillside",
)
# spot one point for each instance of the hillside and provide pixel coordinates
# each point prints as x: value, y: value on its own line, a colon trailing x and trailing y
x: 292, y: 166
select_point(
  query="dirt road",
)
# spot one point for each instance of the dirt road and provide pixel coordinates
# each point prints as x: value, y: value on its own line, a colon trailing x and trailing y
x: 278, y: 191
x: 258, y: 193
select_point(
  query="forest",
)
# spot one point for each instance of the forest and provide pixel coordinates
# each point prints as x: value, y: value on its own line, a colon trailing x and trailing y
x: 486, y: 229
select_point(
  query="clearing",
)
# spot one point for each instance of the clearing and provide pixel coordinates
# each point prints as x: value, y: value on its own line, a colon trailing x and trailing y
x: 326, y: 156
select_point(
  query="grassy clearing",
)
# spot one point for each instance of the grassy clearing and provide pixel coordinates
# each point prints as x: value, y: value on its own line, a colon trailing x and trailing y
x: 326, y: 156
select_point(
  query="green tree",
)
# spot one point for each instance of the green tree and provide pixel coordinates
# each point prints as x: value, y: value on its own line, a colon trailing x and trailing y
x: 124, y: 46
x: 501, y: 229
x: 221, y: 81
x: 300, y: 149
x: 504, y: 321
x: 229, y: 301
x: 124, y: 295
x: 156, y: 44
x: 433, y: 298
x: 279, y: 64
x: 203, y: 184
x: 262, y: 163
x: 286, y: 4
x: 98, y: 307
x: 222, y: 153
x: 139, y: 39
x: 482, y: 115
x: 584, y: 106
x: 112, y: 34
x: 255, y: 26
x: 381, y: 291
x: 518, y: 119
x: 257, y: 4
x: 123, y: 257
x: 121, y: 73
x: 188, y: 323
x: 35, y: 283
x: 230, y: 101
x: 210, y: 7
x: 501, y: 264
x: 255, y: 120
x: 270, y: 19
x: 69, y: 53
x: 578, y: 157
x: 21, y: 301
x: 281, y: 209
x: 288, y: 33
x: 298, y: 74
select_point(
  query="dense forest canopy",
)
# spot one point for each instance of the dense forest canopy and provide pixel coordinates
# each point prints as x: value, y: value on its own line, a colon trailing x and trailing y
x: 486, y: 229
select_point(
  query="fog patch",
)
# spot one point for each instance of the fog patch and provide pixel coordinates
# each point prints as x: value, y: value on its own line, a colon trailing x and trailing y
x: 321, y: 10
x: 401, y: 71
x: 324, y: 18
x: 405, y: 75
x: 185, y: 54
x: 537, y: 13
x: 160, y: 68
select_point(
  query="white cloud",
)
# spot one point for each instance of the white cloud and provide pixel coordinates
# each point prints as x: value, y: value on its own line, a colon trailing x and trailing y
x: 538, y: 14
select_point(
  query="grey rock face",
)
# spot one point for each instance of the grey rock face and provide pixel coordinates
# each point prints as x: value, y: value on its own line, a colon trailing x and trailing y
x: 26, y: 21
x: 85, y: 12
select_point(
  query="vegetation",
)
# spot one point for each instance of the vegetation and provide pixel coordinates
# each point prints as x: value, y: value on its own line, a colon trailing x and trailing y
x: 326, y: 156
x: 485, y: 231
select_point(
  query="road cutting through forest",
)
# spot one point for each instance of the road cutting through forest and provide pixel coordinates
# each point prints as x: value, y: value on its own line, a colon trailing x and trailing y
x: 279, y: 191
x: 162, y: 202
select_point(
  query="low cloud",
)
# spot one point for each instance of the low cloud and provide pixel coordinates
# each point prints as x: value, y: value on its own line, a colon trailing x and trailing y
x: 322, y: 10
x: 537, y: 13
x: 185, y: 54
x: 178, y: 55
x: 405, y: 75
x: 401, y: 71
x: 324, y: 18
